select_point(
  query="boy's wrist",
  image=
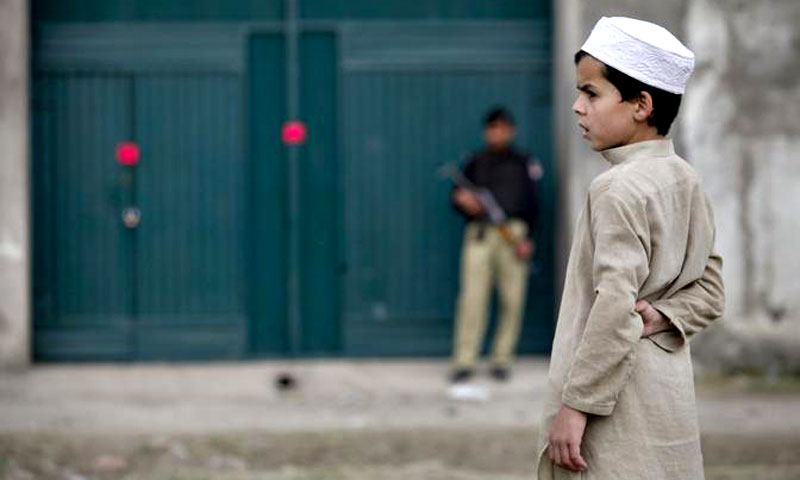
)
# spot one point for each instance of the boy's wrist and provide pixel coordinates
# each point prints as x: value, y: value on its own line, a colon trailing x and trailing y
x: 568, y: 399
x: 673, y: 338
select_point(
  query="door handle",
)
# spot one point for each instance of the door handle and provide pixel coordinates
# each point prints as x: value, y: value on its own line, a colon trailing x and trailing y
x: 131, y: 217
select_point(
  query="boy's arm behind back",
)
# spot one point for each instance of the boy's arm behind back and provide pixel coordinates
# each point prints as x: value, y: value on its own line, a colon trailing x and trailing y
x: 694, y: 307
x: 700, y: 302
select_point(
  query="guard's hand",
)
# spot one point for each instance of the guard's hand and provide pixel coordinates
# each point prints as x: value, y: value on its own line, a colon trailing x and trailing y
x: 524, y: 250
x: 654, y: 321
x: 468, y: 202
x: 566, y: 435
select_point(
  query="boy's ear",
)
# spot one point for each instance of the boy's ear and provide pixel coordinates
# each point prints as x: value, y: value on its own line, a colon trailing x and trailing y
x: 644, y: 106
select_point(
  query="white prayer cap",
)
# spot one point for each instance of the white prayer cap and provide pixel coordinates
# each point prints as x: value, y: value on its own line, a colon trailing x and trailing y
x: 642, y: 50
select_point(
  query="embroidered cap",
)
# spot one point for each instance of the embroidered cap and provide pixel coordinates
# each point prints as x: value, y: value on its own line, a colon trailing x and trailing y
x: 642, y: 50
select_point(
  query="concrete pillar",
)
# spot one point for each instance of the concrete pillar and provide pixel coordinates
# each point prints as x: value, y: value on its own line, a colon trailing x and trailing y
x: 15, y: 257
x: 740, y: 119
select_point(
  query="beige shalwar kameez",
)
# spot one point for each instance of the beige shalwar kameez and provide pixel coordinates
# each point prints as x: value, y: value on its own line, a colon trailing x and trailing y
x: 646, y: 232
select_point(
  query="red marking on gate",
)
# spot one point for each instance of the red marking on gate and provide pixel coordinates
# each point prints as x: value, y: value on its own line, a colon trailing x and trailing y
x: 128, y: 154
x: 294, y: 133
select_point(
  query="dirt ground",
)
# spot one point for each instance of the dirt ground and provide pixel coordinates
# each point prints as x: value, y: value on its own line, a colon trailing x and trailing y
x: 340, y: 421
x: 421, y: 454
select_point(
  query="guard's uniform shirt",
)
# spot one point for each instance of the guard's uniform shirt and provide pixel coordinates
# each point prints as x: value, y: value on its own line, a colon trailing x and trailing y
x: 511, y: 176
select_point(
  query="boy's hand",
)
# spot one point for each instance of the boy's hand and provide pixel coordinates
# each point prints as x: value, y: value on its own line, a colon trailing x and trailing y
x: 566, y: 435
x: 654, y: 321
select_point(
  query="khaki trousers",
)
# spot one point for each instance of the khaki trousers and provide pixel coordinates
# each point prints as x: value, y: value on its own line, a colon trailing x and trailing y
x: 488, y: 260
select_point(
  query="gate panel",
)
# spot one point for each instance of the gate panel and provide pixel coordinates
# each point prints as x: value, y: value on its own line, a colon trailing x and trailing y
x: 414, y: 98
x: 319, y: 196
x: 191, y: 190
x: 82, y: 264
x: 269, y: 332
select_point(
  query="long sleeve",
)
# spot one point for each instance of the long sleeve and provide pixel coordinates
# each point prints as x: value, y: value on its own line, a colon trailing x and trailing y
x: 694, y: 307
x: 605, y: 355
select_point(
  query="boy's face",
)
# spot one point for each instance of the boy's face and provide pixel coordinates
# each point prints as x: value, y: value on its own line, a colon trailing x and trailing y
x: 498, y: 134
x: 607, y: 121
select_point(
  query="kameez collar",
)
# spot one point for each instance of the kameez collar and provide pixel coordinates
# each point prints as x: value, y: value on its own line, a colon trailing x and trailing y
x: 646, y: 149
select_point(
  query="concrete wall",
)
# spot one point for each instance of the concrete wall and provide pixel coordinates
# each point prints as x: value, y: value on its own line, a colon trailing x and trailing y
x: 14, y: 185
x: 740, y: 127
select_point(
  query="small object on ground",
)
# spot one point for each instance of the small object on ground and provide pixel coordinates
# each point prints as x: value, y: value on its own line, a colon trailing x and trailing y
x: 460, y: 375
x: 469, y: 393
x: 501, y: 374
x: 285, y: 382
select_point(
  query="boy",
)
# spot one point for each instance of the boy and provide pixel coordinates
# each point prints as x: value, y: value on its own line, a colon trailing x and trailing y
x: 510, y: 175
x: 642, y: 275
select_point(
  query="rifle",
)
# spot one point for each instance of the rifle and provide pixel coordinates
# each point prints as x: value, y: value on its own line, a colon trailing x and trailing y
x: 497, y: 216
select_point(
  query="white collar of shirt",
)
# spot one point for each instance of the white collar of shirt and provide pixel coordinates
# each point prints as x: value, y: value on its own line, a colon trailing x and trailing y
x: 646, y: 149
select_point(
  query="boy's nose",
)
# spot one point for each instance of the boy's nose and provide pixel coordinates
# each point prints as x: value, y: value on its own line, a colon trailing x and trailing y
x: 577, y: 108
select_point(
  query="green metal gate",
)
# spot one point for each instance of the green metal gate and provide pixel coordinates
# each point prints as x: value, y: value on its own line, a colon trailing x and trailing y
x: 172, y: 286
x: 346, y: 245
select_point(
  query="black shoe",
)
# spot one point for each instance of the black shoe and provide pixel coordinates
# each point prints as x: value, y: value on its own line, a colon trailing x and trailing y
x: 501, y: 374
x: 460, y: 375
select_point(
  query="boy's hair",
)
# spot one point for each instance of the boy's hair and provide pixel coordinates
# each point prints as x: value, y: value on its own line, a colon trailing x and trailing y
x: 498, y: 114
x: 665, y: 104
